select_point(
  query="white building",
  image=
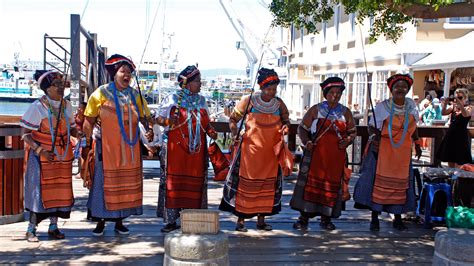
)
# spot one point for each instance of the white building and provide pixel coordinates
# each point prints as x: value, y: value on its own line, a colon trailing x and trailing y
x: 432, y: 52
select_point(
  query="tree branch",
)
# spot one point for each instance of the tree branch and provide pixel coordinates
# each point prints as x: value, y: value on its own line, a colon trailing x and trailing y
x: 465, y: 9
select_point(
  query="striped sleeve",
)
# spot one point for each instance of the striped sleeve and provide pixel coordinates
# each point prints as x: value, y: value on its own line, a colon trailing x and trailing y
x: 31, y: 119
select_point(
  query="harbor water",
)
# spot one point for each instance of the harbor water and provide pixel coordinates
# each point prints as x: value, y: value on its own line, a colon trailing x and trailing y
x: 13, y: 108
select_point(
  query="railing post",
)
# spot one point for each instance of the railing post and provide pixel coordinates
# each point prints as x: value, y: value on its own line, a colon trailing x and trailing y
x: 75, y: 60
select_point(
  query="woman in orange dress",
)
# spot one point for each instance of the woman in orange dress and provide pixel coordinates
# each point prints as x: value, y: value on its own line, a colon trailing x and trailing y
x: 327, y: 129
x: 254, y: 186
x: 112, y: 115
x: 184, y: 157
x: 48, y: 177
x: 386, y: 177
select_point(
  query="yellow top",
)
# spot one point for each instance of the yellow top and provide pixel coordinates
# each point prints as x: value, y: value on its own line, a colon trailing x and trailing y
x: 104, y: 93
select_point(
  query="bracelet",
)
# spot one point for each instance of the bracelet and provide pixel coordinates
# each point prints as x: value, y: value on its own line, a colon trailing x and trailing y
x: 38, y: 150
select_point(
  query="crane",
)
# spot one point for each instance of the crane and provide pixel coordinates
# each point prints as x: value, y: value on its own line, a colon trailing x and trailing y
x: 250, y: 42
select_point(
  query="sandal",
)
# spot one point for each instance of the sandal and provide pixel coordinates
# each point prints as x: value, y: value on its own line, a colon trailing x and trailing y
x: 301, y: 224
x: 241, y: 228
x: 264, y: 226
x: 31, y: 237
x: 170, y: 227
x: 56, y: 234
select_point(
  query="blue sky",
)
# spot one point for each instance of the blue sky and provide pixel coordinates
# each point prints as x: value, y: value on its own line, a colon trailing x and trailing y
x: 202, y: 32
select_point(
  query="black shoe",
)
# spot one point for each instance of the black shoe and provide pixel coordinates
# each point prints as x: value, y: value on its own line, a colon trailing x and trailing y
x: 56, y: 234
x: 328, y: 225
x: 170, y: 227
x: 375, y: 226
x: 264, y: 226
x: 99, y: 229
x: 301, y: 224
x: 399, y: 225
x: 241, y: 228
x: 121, y: 229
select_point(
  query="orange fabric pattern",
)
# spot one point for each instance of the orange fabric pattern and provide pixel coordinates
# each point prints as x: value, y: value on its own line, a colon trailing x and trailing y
x: 123, y: 184
x: 56, y: 176
x: 392, y: 175
x: 327, y: 166
x: 185, y: 171
x: 258, y: 164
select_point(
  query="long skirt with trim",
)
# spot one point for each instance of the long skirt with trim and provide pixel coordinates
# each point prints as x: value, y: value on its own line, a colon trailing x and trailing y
x: 230, y: 191
x: 96, y: 210
x: 364, y: 187
x: 310, y: 209
x: 171, y: 215
x: 33, y: 199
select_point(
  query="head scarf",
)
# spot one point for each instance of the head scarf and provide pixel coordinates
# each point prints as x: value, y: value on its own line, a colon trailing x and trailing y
x: 267, y: 77
x: 331, y: 82
x: 187, y: 75
x: 46, y: 77
x: 397, y: 77
x: 114, y: 62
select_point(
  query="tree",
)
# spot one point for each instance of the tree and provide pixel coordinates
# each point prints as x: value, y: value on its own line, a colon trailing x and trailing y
x: 389, y: 15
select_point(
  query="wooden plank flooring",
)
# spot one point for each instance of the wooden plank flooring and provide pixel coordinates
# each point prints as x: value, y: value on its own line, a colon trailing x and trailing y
x: 352, y: 242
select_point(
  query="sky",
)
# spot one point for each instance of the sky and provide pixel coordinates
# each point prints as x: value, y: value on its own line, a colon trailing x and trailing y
x: 202, y: 33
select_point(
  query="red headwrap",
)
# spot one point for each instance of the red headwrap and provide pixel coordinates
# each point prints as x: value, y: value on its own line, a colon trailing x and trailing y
x: 115, y: 62
x: 397, y: 77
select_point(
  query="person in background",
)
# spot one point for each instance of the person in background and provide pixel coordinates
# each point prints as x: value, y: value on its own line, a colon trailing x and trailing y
x: 113, y: 113
x: 425, y: 103
x: 386, y: 178
x: 184, y: 156
x: 48, y: 175
x: 433, y: 112
x: 455, y: 147
x: 327, y: 130
x: 79, y: 115
x: 254, y: 187
x: 416, y: 99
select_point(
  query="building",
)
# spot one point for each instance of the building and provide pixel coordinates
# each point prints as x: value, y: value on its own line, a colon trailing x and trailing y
x: 433, y: 51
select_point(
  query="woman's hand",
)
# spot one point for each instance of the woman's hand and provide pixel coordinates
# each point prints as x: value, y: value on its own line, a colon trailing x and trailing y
x: 459, y: 104
x: 344, y: 143
x: 236, y: 140
x: 309, y: 145
x: 284, y: 130
x: 47, y: 154
x: 212, y: 133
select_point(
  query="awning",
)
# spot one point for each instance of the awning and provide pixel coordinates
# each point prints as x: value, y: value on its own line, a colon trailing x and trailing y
x: 454, y: 54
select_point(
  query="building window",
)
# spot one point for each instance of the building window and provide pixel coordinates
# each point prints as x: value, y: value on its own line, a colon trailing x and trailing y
x: 337, y: 19
x: 380, y: 90
x: 430, y: 20
x: 352, y: 19
x: 325, y: 25
x: 308, y: 71
x: 461, y: 20
x: 359, y: 90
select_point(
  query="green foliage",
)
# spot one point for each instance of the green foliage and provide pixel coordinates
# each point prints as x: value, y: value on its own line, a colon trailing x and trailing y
x: 388, y: 20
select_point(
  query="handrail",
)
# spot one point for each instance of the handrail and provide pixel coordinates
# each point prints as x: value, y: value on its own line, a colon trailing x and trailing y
x: 436, y: 133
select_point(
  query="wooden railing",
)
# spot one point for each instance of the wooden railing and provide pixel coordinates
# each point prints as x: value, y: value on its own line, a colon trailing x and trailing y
x: 11, y: 156
x: 355, y: 153
x: 11, y: 170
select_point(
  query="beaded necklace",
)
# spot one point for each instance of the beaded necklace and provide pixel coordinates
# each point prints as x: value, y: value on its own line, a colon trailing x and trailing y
x: 405, y: 126
x: 191, y: 104
x: 118, y: 111
x: 51, y: 112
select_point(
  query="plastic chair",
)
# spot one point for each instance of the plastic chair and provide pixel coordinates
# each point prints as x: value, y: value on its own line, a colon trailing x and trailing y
x: 435, y: 198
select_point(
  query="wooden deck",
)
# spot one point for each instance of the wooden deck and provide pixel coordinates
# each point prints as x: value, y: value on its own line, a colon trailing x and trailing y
x: 351, y: 243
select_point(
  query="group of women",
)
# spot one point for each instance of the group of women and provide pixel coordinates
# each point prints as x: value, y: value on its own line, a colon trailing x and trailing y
x: 112, y: 163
